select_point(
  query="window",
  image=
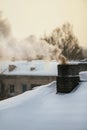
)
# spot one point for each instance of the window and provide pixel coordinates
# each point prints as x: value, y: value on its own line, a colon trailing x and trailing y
x: 24, y: 87
x: 12, y: 88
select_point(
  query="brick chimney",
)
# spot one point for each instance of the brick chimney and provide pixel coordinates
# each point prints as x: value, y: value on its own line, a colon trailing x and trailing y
x: 68, y: 77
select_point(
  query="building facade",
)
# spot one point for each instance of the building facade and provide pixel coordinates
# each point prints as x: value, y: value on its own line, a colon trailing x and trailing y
x: 14, y: 82
x: 15, y: 85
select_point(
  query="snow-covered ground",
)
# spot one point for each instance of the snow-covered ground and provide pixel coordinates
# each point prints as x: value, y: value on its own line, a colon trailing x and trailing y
x: 43, y: 109
x: 42, y: 68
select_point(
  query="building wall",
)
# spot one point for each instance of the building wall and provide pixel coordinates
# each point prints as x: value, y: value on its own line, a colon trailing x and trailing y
x: 30, y: 81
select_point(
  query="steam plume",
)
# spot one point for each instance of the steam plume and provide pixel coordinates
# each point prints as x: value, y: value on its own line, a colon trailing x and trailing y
x: 30, y: 48
x: 27, y: 49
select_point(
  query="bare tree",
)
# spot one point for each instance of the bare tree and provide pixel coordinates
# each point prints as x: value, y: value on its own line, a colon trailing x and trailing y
x: 65, y: 39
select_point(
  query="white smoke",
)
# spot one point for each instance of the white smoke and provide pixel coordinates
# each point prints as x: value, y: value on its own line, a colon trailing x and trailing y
x: 30, y: 48
x: 27, y: 49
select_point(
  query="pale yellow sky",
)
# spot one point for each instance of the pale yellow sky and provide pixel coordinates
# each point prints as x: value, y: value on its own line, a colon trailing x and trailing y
x: 41, y: 16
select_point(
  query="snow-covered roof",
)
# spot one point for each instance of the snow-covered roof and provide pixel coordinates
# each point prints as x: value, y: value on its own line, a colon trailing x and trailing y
x: 34, y: 68
x: 43, y: 109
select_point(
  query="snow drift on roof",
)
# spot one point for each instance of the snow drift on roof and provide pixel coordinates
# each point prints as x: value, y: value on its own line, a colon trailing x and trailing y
x: 43, y: 109
x: 83, y: 76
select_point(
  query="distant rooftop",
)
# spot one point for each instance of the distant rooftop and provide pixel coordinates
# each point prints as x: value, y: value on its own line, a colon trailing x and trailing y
x: 31, y: 68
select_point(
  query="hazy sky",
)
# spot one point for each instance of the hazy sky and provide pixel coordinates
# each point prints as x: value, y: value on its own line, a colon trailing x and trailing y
x: 41, y: 16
